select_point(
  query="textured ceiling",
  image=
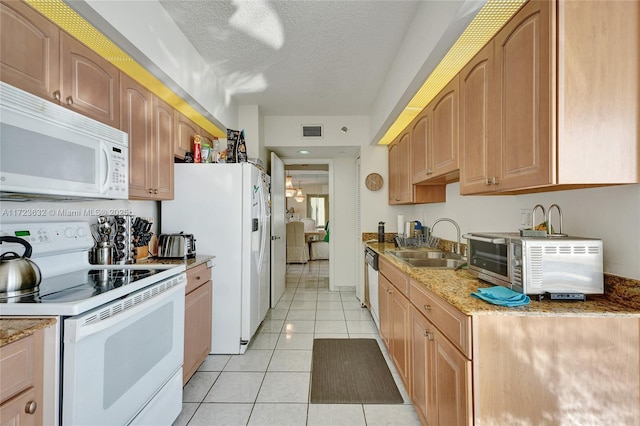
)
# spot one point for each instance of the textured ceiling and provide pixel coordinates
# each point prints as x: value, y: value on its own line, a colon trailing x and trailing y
x: 297, y: 57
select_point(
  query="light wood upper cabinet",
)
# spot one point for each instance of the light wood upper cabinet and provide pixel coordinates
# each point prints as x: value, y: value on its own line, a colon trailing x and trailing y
x: 401, y: 188
x: 434, y: 138
x: 30, y: 50
x: 523, y: 138
x: 476, y: 101
x: 421, y: 135
x: 185, y: 131
x: 162, y: 133
x: 90, y: 83
x: 40, y: 58
x: 598, y: 92
x: 400, y: 185
x: 149, y: 123
x: 444, y: 142
x: 137, y: 107
x: 562, y: 106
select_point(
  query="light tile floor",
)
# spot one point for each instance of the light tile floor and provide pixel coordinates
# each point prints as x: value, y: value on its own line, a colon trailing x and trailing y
x: 270, y: 383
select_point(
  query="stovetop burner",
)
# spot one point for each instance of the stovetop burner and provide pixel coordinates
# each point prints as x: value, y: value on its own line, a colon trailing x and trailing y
x: 81, y: 285
x: 70, y: 284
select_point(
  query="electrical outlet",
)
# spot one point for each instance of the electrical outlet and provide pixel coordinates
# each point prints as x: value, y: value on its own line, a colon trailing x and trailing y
x: 525, y: 218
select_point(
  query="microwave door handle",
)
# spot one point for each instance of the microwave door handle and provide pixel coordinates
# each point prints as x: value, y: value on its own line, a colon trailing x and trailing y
x: 484, y: 239
x: 104, y: 151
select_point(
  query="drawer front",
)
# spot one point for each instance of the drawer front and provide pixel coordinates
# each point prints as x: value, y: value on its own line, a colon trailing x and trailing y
x: 455, y: 325
x: 16, y: 367
x: 394, y: 275
x: 197, y: 276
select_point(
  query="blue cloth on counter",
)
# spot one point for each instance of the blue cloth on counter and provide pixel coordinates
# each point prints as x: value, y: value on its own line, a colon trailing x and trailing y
x: 502, y: 296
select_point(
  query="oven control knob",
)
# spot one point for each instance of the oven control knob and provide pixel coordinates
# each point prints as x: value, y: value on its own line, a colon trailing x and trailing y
x: 516, y: 263
x: 68, y: 232
x: 81, y: 232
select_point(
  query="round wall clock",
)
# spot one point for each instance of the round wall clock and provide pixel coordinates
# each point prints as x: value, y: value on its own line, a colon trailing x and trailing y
x: 374, y: 181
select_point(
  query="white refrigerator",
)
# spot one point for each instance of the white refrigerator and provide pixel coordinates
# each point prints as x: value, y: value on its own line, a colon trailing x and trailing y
x: 226, y: 208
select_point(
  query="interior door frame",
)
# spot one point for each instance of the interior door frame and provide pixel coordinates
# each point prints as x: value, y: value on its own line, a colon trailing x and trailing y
x: 329, y: 162
x: 278, y: 234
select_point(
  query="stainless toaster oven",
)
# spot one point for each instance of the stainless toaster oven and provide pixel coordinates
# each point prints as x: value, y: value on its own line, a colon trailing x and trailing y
x: 537, y: 265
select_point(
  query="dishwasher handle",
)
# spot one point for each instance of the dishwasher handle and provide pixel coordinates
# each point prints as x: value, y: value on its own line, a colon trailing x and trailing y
x: 371, y: 257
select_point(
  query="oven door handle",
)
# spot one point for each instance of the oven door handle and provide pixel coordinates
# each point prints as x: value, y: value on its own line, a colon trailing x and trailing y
x: 484, y: 239
x: 76, y: 329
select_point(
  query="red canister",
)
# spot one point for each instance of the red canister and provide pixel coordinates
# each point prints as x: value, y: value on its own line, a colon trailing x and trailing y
x: 197, y: 149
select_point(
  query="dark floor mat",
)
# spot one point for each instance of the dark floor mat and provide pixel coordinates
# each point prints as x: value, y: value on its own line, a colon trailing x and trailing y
x: 351, y: 371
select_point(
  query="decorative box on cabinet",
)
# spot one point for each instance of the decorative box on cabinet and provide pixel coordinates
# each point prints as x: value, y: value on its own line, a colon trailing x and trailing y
x: 197, y: 322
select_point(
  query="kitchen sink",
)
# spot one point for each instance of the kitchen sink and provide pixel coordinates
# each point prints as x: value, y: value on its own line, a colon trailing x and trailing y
x: 418, y: 254
x: 445, y: 263
x: 427, y: 258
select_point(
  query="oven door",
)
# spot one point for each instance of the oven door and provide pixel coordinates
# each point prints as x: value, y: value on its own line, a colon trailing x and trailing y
x: 120, y: 356
x: 489, y: 257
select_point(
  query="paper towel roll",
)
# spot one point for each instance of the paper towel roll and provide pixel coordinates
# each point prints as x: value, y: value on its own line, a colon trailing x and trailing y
x: 400, y: 224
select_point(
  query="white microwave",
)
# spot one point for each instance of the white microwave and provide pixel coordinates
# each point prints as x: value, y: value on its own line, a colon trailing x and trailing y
x: 50, y: 152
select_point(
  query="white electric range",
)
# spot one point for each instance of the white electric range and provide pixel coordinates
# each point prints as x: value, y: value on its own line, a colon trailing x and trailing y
x: 122, y: 327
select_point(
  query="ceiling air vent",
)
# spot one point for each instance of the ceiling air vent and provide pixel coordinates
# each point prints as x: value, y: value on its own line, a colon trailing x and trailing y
x: 312, y: 131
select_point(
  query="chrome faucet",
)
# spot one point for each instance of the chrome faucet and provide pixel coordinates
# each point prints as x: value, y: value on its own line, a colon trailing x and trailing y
x: 446, y: 219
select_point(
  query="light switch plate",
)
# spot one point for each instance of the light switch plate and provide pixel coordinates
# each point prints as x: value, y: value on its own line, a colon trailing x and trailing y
x: 525, y: 218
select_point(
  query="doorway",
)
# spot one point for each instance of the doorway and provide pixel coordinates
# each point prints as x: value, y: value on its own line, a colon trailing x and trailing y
x: 313, y: 179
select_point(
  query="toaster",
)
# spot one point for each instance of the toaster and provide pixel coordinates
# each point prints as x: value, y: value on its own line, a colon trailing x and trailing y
x: 176, y: 246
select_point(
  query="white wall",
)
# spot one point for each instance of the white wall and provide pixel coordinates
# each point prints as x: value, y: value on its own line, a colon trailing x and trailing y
x: 609, y: 213
x: 285, y: 131
x: 342, y: 223
x: 374, y: 205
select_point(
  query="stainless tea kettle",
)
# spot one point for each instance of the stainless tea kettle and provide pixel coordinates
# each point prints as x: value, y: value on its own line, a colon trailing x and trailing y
x: 18, y: 275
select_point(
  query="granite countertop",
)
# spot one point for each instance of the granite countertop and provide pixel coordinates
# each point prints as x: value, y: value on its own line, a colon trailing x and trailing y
x: 456, y: 286
x: 189, y: 263
x: 12, y: 329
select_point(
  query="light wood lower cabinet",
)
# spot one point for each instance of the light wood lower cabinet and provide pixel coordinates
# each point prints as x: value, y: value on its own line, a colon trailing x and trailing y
x: 509, y: 369
x: 394, y: 322
x: 21, y: 384
x: 440, y: 376
x: 197, y: 319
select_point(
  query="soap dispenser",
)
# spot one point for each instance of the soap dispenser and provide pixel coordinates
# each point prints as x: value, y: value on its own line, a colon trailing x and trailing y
x: 381, y: 232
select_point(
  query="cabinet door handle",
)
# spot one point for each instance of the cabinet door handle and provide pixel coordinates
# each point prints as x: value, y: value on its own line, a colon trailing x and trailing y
x: 198, y: 278
x: 487, y: 182
x: 429, y: 336
x: 56, y: 95
x: 69, y: 100
x: 427, y: 307
x: 155, y: 191
x: 31, y: 407
x: 150, y: 191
